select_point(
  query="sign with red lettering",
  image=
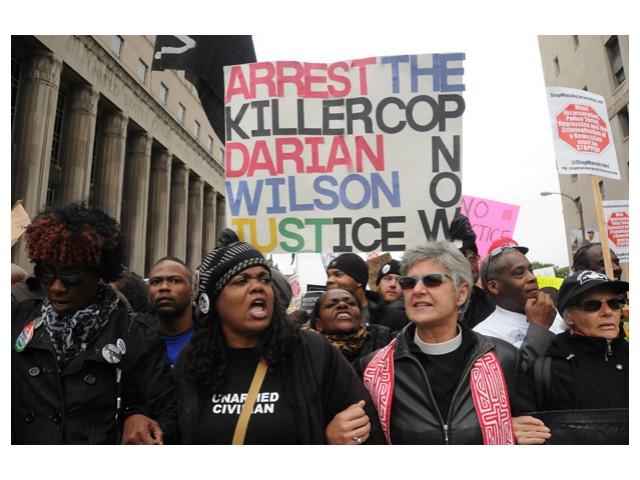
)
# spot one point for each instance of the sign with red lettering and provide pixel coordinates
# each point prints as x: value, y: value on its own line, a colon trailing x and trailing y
x: 354, y: 156
x: 581, y: 132
x: 490, y: 220
x: 616, y: 214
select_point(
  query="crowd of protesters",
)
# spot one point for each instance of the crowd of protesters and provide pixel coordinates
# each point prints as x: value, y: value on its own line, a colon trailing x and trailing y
x: 445, y: 350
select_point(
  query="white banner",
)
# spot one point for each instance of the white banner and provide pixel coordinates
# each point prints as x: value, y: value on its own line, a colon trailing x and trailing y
x: 616, y: 217
x: 354, y: 156
x: 581, y: 133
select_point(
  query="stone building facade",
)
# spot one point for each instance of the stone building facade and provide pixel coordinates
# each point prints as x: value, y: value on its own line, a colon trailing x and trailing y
x: 91, y: 122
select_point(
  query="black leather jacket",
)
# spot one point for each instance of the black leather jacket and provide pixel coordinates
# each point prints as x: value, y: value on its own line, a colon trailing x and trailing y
x: 415, y: 418
x: 78, y: 404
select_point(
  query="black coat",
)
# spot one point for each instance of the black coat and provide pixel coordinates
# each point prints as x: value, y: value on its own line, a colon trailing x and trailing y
x: 379, y: 313
x: 78, y: 404
x: 584, y: 373
x: 320, y: 383
x: 415, y: 418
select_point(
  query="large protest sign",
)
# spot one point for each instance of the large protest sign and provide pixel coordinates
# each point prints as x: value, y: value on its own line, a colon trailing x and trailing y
x: 581, y: 133
x: 616, y: 217
x: 490, y: 220
x: 361, y: 155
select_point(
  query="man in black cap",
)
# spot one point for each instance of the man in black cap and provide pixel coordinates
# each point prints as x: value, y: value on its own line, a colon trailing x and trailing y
x: 387, y: 283
x: 350, y: 271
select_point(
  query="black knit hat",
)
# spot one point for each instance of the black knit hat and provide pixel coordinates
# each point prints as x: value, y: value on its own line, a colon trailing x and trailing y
x: 580, y: 282
x: 353, y: 265
x: 392, y: 266
x: 221, y: 265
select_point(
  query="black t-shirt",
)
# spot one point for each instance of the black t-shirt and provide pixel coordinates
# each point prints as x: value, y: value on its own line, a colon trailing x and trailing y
x: 272, y: 421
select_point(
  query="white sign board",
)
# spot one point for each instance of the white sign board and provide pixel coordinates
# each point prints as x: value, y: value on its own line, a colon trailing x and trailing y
x: 581, y: 133
x: 616, y: 217
x: 354, y: 156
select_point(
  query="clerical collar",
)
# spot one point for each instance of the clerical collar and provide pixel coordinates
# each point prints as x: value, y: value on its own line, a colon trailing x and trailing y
x: 439, y: 348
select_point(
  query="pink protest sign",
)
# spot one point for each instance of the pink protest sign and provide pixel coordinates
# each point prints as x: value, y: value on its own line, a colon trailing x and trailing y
x: 490, y: 220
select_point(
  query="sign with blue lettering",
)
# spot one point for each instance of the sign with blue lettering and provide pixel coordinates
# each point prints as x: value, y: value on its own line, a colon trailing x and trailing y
x: 354, y: 156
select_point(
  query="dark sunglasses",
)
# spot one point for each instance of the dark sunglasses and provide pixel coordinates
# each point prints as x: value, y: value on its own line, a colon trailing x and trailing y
x: 68, y: 276
x: 596, y: 305
x: 430, y: 280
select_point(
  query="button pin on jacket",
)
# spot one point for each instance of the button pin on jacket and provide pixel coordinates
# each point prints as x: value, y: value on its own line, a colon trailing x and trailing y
x: 111, y: 353
x: 24, y: 338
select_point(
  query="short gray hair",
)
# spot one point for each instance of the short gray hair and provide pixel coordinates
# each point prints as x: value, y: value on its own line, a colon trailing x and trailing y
x: 449, y: 257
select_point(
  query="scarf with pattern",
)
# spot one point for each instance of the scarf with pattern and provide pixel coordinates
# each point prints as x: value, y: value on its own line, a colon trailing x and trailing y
x: 349, y: 344
x: 71, y: 334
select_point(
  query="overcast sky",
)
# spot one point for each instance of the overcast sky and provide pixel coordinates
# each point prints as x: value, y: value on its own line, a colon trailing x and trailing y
x: 507, y: 142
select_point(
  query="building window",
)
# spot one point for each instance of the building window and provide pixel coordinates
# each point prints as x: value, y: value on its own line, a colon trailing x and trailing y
x: 221, y: 156
x: 16, y: 65
x: 210, y: 143
x: 116, y: 44
x: 143, y: 70
x: 196, y: 129
x: 556, y: 65
x: 181, y: 112
x: 615, y: 59
x: 164, y: 94
x: 576, y: 42
x: 51, y: 194
x: 57, y: 128
x: 623, y: 116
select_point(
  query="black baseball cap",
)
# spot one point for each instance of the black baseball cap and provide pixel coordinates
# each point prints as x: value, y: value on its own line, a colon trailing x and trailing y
x: 580, y: 282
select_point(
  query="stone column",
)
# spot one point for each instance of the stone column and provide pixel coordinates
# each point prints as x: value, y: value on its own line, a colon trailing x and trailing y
x: 178, y: 211
x: 194, y: 227
x: 110, y: 163
x: 158, y: 224
x: 77, y: 145
x: 136, y: 195
x: 33, y: 137
x: 220, y: 214
x: 209, y: 232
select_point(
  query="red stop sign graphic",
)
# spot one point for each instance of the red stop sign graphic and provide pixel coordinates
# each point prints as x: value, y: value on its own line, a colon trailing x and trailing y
x: 580, y: 127
x: 618, y: 229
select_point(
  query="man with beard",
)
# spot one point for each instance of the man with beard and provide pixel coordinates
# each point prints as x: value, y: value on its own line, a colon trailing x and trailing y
x: 171, y: 298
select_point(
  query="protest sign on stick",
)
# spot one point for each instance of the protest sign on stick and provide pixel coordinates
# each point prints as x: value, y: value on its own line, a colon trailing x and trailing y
x: 19, y: 221
x: 584, y: 145
x: 354, y: 156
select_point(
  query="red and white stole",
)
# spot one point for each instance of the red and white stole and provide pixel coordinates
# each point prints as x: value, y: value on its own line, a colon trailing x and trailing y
x: 488, y: 387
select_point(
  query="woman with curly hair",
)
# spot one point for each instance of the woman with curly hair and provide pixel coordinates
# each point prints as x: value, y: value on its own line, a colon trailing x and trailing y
x: 85, y: 369
x: 251, y: 376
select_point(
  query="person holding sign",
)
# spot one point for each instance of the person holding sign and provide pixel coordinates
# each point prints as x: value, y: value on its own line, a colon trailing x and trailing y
x: 251, y: 376
x: 429, y: 384
x: 85, y: 370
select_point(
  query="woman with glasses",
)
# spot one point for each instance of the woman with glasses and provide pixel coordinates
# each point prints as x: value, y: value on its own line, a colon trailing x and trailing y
x: 587, y: 366
x: 85, y: 369
x: 438, y: 382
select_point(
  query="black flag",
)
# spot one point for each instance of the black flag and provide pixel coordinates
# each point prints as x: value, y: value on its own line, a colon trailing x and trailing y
x: 203, y: 57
